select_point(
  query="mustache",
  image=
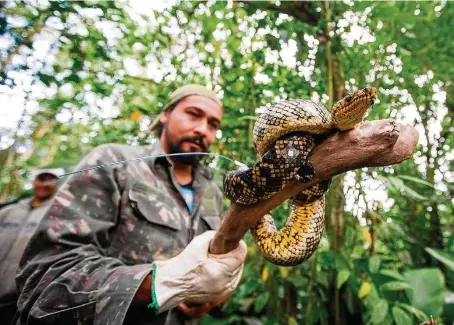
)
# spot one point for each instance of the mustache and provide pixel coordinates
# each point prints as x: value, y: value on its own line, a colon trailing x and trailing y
x: 197, y: 140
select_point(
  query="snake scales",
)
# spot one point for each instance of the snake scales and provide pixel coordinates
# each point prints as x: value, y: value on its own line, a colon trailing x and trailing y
x: 284, y: 137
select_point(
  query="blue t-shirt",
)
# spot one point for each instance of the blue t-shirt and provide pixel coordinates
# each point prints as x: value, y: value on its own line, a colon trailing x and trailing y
x: 188, y: 195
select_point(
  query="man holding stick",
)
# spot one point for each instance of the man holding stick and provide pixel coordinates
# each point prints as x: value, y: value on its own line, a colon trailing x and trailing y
x: 119, y: 239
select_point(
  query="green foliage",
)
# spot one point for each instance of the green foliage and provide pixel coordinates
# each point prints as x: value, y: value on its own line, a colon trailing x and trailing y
x: 400, y: 316
x: 427, y: 290
x: 387, y: 254
x: 342, y: 276
x: 445, y: 258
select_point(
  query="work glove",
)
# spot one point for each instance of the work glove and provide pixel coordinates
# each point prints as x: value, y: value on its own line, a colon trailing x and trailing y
x: 195, y: 275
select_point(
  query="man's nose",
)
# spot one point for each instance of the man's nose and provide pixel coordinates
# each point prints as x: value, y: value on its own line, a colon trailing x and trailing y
x: 202, y: 127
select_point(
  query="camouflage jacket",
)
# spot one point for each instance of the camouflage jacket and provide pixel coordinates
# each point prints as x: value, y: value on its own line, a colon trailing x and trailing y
x: 102, y: 231
x: 18, y: 222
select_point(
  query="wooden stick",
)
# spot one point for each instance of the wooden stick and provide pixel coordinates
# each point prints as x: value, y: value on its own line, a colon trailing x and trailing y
x: 370, y: 144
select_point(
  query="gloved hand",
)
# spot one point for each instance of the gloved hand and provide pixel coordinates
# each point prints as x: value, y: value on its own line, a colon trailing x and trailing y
x: 196, y: 275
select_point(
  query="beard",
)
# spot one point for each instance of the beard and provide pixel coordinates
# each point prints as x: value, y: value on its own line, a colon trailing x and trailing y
x: 176, y: 147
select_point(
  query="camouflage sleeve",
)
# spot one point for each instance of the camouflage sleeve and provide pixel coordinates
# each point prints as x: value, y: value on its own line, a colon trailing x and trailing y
x: 65, y: 276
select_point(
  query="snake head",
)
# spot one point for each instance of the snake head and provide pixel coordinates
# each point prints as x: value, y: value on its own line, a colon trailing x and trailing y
x: 352, y: 109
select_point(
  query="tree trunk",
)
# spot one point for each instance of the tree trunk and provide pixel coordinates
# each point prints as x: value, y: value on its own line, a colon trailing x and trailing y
x: 335, y: 213
x: 251, y: 112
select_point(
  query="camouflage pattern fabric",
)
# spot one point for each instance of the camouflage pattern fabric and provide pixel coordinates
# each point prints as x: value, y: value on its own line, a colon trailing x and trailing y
x: 18, y: 222
x: 100, y: 235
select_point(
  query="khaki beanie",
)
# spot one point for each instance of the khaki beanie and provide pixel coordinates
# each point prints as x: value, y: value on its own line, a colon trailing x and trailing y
x: 182, y: 92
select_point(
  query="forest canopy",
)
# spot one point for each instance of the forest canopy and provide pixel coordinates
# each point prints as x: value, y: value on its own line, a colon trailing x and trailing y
x: 75, y: 75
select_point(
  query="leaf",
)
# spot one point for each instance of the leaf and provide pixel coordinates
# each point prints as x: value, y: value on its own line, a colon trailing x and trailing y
x: 367, y: 236
x: 246, y: 320
x: 284, y: 271
x: 265, y: 274
x: 427, y: 290
x: 364, y: 289
x: 292, y: 321
x: 297, y: 280
x: 261, y: 301
x: 412, y: 193
x: 374, y: 264
x: 342, y: 276
x: 135, y: 116
x: 392, y: 274
x: 379, y: 312
x: 394, y: 286
x: 400, y: 316
x: 326, y: 257
x: 415, y: 311
x: 445, y: 258
x: 400, y: 185
x: 416, y: 180
x: 397, y: 183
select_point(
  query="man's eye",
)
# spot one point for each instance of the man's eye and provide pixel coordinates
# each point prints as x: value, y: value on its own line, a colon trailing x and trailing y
x: 214, y: 126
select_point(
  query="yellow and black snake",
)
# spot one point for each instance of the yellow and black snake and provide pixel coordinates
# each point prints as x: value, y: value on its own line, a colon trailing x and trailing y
x: 284, y: 136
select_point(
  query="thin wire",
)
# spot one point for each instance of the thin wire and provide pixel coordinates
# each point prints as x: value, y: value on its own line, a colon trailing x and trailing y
x: 240, y: 164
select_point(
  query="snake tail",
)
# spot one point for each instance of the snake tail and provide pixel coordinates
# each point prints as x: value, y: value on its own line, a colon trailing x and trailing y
x: 297, y: 240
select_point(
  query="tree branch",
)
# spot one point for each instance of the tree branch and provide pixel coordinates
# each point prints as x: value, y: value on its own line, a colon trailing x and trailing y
x: 370, y: 144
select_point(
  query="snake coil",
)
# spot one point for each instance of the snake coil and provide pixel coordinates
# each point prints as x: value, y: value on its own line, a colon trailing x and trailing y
x: 284, y: 137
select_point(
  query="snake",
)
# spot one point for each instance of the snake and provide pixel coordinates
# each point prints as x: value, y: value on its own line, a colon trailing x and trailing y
x: 284, y: 136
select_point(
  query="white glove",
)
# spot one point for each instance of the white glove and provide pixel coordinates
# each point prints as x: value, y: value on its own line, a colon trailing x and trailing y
x: 196, y: 275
